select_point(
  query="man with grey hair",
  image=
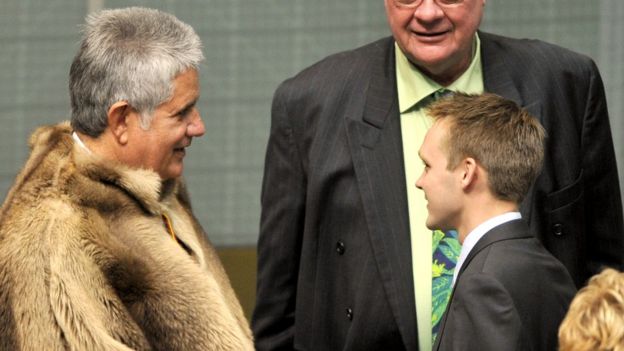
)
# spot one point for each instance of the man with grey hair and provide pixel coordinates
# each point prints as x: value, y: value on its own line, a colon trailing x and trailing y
x: 99, y: 248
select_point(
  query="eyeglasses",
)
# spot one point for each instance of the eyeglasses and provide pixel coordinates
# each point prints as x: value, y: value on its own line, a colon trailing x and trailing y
x: 415, y: 3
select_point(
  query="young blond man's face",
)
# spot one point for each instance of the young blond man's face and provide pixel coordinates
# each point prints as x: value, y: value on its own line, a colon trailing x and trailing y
x: 442, y: 187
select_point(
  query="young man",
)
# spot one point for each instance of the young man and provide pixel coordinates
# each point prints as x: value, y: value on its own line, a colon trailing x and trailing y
x: 481, y: 155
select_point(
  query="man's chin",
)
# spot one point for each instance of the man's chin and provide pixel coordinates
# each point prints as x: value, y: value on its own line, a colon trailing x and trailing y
x: 437, y: 226
x: 431, y: 225
x: 172, y: 173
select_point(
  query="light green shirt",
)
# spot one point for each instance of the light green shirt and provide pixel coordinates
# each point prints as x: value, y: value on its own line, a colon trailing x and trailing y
x: 413, y: 87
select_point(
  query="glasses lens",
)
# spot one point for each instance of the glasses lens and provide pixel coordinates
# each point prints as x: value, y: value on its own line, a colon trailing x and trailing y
x: 414, y: 3
x: 406, y: 2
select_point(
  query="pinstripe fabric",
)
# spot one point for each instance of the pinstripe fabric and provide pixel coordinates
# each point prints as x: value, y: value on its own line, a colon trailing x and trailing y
x: 334, y: 250
x: 574, y: 207
x: 333, y: 157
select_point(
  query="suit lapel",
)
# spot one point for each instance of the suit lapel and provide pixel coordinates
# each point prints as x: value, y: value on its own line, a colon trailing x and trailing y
x: 499, y: 71
x: 496, y: 70
x: 498, y: 78
x: 376, y: 148
x: 515, y: 229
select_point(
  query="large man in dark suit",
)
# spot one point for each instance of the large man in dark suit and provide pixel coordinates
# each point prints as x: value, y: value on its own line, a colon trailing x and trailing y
x: 481, y: 155
x: 335, y: 252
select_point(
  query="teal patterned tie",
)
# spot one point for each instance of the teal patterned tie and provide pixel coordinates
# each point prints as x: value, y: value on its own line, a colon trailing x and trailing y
x: 446, y: 249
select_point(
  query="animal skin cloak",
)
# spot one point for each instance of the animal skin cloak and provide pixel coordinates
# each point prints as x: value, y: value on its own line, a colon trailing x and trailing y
x: 87, y: 261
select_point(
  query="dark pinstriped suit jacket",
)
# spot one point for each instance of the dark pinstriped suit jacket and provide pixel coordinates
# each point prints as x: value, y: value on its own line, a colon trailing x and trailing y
x: 511, y: 294
x: 334, y: 249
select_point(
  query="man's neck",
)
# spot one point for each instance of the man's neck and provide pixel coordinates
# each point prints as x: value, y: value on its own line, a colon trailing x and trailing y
x: 98, y: 146
x: 480, y: 212
x: 445, y: 76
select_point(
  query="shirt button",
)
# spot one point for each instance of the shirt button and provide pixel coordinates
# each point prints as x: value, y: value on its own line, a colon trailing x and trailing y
x: 340, y: 247
x: 349, y: 314
x: 558, y: 229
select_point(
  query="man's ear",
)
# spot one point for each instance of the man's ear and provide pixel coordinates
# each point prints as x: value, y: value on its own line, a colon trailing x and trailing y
x: 469, y: 172
x: 118, y: 120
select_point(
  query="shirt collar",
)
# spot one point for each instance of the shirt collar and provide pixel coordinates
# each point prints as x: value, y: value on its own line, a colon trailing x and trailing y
x: 476, y: 234
x: 414, y: 86
x: 79, y: 142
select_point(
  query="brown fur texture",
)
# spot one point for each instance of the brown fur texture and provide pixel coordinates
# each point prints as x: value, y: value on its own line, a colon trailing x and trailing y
x: 86, y: 262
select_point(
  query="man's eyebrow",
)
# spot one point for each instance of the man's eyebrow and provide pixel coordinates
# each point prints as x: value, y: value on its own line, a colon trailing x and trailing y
x: 188, y: 106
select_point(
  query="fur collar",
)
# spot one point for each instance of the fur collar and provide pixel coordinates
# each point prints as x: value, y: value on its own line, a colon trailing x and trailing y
x: 144, y: 186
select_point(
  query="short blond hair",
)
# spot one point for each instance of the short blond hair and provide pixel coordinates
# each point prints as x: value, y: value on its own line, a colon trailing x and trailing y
x: 595, y: 320
x: 503, y: 137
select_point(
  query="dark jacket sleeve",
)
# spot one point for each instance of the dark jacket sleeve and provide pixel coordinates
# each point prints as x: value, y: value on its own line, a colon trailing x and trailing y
x: 281, y: 230
x: 605, y: 241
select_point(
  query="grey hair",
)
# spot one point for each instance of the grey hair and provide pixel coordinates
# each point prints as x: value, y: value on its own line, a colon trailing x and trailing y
x: 131, y: 54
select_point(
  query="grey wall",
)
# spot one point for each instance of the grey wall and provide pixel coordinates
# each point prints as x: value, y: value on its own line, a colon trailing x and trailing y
x: 250, y: 47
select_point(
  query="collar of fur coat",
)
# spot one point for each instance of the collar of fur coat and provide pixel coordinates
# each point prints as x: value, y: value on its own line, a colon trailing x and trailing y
x: 95, y: 173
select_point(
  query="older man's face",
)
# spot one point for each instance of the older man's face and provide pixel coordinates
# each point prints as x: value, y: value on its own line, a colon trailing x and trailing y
x: 162, y: 147
x: 436, y: 38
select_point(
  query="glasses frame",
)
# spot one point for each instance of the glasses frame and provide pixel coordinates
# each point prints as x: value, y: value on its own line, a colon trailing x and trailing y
x: 412, y: 4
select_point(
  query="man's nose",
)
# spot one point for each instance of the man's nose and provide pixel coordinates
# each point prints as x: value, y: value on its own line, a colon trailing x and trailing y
x: 428, y: 11
x: 196, y: 127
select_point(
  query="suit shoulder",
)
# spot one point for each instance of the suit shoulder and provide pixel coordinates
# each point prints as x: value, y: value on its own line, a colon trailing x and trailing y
x: 524, y: 268
x: 499, y: 254
x: 522, y: 263
x: 340, y: 66
x: 536, y: 52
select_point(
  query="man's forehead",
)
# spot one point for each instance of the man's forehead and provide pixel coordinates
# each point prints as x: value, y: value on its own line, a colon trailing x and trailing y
x: 429, y: 143
x: 436, y: 139
x: 437, y: 130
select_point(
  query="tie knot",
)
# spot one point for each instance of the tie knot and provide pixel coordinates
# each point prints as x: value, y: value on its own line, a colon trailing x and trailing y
x: 440, y: 93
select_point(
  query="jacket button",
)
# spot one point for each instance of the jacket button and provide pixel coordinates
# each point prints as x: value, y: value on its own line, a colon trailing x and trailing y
x: 558, y: 229
x: 349, y: 314
x: 340, y: 247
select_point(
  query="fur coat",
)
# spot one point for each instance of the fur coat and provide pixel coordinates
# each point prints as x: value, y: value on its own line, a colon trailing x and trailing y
x: 87, y: 261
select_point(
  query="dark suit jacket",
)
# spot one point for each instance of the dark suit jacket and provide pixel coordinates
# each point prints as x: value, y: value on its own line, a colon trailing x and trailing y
x: 510, y: 294
x: 334, y: 266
